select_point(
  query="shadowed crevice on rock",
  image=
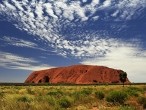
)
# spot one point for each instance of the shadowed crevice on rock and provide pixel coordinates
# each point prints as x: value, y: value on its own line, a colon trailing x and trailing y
x: 46, y: 79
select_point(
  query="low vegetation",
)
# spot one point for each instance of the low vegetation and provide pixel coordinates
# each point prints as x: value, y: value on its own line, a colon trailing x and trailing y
x: 116, y: 97
x: 100, y: 94
x: 105, y: 97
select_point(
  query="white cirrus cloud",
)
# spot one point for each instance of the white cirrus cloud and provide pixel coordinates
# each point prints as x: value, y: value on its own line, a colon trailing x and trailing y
x: 13, y: 41
x: 107, y: 3
x: 63, y: 9
x: 12, y: 61
x: 45, y: 19
x: 18, y: 42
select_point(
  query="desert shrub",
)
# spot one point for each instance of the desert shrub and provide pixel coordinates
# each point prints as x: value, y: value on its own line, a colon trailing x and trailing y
x: 79, y: 98
x: 29, y: 91
x: 142, y: 101
x: 99, y: 94
x: 24, y: 99
x: 80, y: 95
x: 1, y: 94
x: 65, y: 102
x: 144, y: 88
x: 127, y: 108
x: 133, y: 91
x: 144, y: 105
x: 77, y: 95
x: 86, y: 91
x: 17, y: 87
x: 116, y: 97
x: 55, y: 93
x: 52, y: 101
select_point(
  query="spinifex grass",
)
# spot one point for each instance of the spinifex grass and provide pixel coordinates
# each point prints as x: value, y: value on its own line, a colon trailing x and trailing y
x: 72, y: 97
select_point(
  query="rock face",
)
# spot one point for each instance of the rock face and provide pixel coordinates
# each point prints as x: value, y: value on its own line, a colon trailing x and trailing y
x: 76, y: 74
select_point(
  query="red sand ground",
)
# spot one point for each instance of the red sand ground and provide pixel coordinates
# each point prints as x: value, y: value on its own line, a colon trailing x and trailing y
x: 76, y: 74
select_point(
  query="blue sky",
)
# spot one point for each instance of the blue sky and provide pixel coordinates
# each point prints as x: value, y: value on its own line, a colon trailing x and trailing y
x: 40, y: 34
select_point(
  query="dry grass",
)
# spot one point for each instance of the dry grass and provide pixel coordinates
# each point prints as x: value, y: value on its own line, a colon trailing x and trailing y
x: 69, y: 97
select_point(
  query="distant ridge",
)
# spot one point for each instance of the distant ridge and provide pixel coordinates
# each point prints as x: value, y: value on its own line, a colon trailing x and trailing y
x: 76, y: 74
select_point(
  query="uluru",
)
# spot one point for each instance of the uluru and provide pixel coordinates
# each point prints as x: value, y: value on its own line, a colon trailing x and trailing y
x: 76, y: 74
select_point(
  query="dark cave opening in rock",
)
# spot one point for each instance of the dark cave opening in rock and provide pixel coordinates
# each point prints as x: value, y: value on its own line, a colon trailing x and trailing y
x: 95, y: 81
x: 46, y: 79
x: 40, y: 81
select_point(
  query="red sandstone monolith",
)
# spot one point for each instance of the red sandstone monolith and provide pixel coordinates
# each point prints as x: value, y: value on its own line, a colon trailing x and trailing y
x: 76, y: 74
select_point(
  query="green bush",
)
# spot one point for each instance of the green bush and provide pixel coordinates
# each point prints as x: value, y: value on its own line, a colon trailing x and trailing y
x: 77, y: 96
x: 142, y: 101
x: 133, y: 91
x: 24, y: 99
x: 144, y: 88
x: 52, y: 101
x: 116, y: 97
x: 1, y: 94
x: 17, y: 87
x: 99, y: 94
x: 80, y: 95
x: 29, y: 91
x: 144, y: 105
x: 54, y: 93
x: 65, y: 102
x: 86, y: 91
x: 127, y: 108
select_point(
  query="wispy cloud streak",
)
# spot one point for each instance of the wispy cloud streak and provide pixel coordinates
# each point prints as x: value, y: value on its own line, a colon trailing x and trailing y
x: 12, y: 61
